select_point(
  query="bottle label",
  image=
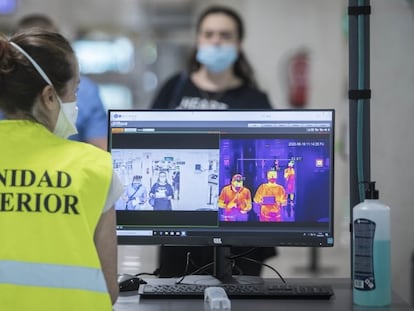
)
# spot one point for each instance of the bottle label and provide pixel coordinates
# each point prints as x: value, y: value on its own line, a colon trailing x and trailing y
x: 364, y: 231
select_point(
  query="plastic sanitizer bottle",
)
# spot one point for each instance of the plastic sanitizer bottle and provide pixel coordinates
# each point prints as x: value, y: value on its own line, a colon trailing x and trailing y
x: 371, y: 253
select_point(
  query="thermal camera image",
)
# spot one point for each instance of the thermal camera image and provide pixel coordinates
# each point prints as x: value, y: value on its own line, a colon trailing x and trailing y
x: 276, y: 175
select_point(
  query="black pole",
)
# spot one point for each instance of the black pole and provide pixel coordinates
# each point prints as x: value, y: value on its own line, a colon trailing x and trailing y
x: 359, y: 103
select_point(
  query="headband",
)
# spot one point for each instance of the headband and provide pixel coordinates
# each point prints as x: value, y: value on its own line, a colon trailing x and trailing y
x: 34, y: 63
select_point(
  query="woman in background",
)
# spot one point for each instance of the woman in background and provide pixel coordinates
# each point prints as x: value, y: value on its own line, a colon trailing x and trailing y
x: 220, y: 76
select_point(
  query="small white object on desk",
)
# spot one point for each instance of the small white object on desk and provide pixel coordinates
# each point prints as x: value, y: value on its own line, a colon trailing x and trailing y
x: 216, y: 298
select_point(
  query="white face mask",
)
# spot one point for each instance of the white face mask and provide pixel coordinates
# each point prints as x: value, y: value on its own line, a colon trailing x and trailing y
x: 66, y: 122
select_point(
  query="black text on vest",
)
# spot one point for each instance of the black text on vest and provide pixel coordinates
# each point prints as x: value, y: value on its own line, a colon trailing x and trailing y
x: 12, y: 200
x: 29, y: 178
x: 38, y: 202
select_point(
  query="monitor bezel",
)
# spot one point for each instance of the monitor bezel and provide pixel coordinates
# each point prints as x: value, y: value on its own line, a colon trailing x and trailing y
x: 277, y: 238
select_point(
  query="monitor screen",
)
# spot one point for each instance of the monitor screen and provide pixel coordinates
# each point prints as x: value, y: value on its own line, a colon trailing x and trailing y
x: 224, y: 178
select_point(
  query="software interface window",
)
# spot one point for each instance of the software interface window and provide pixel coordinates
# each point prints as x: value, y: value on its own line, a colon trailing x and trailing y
x: 224, y: 177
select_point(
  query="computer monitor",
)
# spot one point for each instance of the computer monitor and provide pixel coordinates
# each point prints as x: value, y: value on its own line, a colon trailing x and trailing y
x: 224, y: 178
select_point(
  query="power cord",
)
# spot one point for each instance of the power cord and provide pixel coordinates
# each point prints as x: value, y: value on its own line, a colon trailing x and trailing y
x: 233, y: 258
x: 266, y: 265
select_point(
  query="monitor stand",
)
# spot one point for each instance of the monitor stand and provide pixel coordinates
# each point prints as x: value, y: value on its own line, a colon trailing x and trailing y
x: 222, y: 272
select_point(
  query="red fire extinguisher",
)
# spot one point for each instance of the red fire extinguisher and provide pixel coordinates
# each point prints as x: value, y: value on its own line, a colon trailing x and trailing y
x: 298, y: 79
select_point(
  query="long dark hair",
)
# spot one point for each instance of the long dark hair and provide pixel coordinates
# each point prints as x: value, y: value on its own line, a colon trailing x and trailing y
x: 241, y: 67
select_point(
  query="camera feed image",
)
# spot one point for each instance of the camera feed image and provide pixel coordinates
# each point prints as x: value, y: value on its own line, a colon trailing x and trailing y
x: 274, y: 180
x: 167, y: 180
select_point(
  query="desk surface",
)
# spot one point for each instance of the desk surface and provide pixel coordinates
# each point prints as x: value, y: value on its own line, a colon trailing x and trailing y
x: 129, y: 301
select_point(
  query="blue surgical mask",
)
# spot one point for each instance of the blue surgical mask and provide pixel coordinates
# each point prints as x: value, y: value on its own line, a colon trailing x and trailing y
x: 217, y: 58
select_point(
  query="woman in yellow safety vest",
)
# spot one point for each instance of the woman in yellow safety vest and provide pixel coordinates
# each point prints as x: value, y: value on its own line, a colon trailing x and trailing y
x: 57, y: 221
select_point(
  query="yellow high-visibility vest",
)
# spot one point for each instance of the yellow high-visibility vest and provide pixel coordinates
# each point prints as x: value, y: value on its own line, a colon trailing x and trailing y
x: 52, y: 192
